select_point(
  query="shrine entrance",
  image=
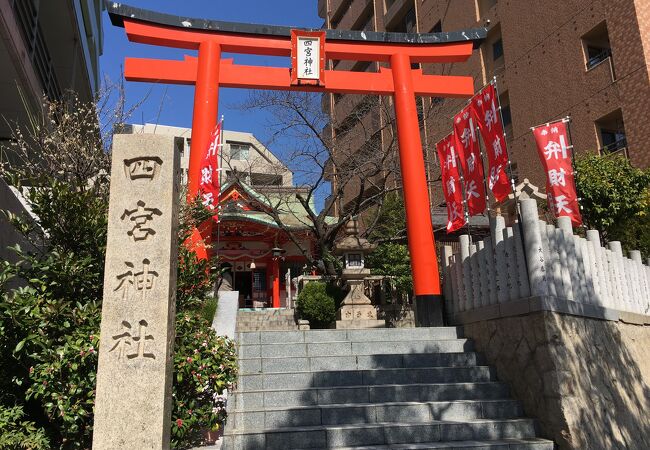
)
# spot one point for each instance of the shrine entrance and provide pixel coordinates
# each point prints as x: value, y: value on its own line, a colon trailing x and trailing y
x: 309, y: 51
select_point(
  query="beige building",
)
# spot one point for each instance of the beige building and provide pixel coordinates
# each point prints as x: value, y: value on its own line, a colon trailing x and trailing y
x: 241, y: 153
x: 589, y: 59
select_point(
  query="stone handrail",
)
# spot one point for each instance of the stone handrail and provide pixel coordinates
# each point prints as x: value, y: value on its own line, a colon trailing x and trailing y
x: 538, y: 260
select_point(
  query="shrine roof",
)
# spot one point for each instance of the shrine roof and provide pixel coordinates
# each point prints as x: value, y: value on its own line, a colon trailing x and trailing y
x: 118, y: 12
x: 291, y: 212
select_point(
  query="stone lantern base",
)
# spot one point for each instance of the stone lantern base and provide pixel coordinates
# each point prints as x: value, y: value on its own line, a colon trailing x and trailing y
x: 356, y: 309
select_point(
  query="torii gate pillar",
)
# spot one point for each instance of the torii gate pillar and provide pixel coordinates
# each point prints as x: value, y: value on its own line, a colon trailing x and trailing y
x: 419, y: 229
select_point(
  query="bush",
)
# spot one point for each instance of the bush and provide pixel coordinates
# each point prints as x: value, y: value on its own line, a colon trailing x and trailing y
x: 204, y: 366
x: 316, y: 304
x: 393, y: 260
x: 16, y: 433
x: 615, y: 199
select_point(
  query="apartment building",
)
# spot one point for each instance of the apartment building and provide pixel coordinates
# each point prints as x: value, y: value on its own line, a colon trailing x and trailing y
x: 46, y: 48
x: 588, y: 59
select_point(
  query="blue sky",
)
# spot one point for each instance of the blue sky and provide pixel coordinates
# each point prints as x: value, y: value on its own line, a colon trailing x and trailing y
x: 172, y: 105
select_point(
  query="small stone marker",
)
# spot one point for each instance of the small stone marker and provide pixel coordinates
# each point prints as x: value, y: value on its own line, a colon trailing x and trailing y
x: 134, y: 377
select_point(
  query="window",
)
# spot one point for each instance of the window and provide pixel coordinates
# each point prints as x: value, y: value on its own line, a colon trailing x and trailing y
x: 611, y: 133
x: 239, y: 152
x: 497, y: 49
x: 596, y: 45
x: 507, y: 115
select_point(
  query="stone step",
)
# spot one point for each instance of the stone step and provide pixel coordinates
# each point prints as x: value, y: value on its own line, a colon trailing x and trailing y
x: 347, y: 348
x: 259, y: 399
x: 363, y: 413
x: 357, y: 362
x: 365, y: 377
x: 501, y: 444
x: 380, y: 434
x: 370, y: 335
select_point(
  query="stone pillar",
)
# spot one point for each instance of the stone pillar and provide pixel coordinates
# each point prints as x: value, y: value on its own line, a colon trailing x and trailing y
x: 588, y: 275
x: 639, y: 272
x: 454, y: 283
x: 522, y: 273
x: 447, y: 287
x: 134, y: 376
x: 564, y: 259
x: 467, y: 271
x: 460, y: 282
x: 483, y: 274
x: 585, y: 296
x: 488, y: 260
x: 614, y: 275
x: 596, y: 255
x: 476, y: 279
x: 621, y: 296
x: 556, y: 266
x: 566, y: 230
x: 497, y: 224
x: 511, y: 263
x: 533, y: 245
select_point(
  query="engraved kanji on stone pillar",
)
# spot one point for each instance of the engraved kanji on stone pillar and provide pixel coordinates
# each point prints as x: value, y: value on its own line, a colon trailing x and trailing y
x: 133, y: 402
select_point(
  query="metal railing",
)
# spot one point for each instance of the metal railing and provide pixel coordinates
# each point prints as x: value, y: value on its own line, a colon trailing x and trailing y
x: 600, y: 57
x: 617, y: 147
x: 27, y: 17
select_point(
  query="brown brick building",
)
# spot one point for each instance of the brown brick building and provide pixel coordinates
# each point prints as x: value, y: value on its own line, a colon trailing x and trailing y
x: 589, y: 59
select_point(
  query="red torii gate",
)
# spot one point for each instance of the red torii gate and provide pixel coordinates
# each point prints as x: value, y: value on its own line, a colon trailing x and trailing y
x: 209, y: 71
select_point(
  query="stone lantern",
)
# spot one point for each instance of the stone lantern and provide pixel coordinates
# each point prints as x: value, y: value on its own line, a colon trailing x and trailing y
x: 356, y: 309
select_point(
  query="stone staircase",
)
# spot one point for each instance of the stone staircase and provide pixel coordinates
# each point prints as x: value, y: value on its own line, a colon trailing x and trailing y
x: 265, y: 319
x: 390, y: 388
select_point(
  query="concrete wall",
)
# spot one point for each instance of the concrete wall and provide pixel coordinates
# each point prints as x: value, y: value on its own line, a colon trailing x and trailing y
x: 585, y: 380
x: 9, y: 236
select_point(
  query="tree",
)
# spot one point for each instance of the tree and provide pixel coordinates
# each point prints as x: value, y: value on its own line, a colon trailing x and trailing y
x: 615, y: 198
x: 354, y: 159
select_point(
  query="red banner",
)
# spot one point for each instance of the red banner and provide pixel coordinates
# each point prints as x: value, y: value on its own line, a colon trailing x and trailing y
x: 451, y: 183
x: 209, y: 183
x: 553, y: 149
x: 471, y: 161
x: 485, y: 108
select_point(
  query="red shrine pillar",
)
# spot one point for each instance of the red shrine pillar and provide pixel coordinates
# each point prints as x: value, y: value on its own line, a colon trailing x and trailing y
x: 275, y: 267
x: 424, y: 263
x: 204, y: 119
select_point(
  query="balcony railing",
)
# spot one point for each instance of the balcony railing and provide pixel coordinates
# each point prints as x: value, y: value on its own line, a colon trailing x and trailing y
x: 27, y: 17
x: 598, y: 58
x: 619, y: 148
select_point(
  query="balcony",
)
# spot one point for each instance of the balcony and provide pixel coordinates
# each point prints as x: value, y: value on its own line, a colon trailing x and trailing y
x: 355, y: 106
x: 616, y: 148
x: 26, y: 15
x: 337, y: 9
x: 356, y: 17
x: 394, y: 15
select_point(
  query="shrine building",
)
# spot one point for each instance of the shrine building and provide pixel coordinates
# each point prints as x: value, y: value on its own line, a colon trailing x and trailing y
x: 257, y: 192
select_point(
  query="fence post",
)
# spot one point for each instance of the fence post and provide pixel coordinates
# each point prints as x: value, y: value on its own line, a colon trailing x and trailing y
x: 533, y: 244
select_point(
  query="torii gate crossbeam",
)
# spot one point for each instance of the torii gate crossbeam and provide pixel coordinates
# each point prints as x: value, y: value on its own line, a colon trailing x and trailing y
x: 209, y: 71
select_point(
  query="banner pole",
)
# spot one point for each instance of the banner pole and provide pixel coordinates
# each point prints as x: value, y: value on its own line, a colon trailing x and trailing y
x: 512, y: 180
x: 465, y: 205
x: 567, y: 120
x: 481, y: 144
